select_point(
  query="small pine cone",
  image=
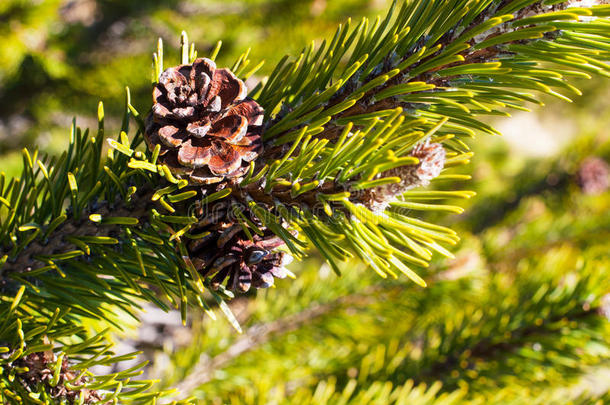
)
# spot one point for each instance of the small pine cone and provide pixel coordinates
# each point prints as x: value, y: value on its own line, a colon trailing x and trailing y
x: 431, y: 162
x: 594, y: 176
x: 207, y: 128
x: 40, y: 370
x: 227, y: 252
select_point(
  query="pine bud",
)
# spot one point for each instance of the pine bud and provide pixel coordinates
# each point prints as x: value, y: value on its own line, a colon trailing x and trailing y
x: 431, y: 162
x: 594, y: 176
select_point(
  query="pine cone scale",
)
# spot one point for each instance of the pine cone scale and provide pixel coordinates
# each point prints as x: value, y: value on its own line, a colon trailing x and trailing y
x: 231, y: 128
x: 248, y: 149
x: 194, y: 153
x: 201, y: 76
x: 228, y: 87
x: 225, y: 159
x: 175, y: 86
x: 250, y: 110
x: 171, y: 136
x: 199, y: 129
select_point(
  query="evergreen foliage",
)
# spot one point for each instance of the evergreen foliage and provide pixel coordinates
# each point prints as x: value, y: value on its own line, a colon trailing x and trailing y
x: 516, y: 317
x: 60, y: 57
x: 93, y: 233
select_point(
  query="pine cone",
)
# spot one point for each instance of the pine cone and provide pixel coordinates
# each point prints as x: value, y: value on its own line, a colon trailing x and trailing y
x: 431, y: 162
x: 40, y: 369
x: 226, y: 251
x: 207, y: 128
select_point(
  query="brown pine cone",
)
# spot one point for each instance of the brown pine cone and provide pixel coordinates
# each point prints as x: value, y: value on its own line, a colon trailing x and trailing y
x: 39, y: 369
x: 207, y: 128
x: 227, y: 252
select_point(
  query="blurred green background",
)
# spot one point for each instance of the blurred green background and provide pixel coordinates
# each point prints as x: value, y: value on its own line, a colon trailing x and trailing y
x: 517, y: 314
x: 58, y: 58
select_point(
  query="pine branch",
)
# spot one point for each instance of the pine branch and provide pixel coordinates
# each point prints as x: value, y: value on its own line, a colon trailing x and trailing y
x: 349, y: 131
x: 61, y: 240
x: 319, y: 184
x: 255, y: 336
x: 479, y: 60
x: 45, y: 357
x: 259, y: 334
x: 486, y: 349
x: 409, y: 75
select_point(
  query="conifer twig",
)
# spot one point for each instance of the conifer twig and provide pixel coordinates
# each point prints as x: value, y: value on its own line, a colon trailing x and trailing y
x: 257, y: 335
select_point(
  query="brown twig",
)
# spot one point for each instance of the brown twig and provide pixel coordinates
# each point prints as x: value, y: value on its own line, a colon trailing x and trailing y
x: 30, y: 257
x: 260, y: 334
x: 257, y: 335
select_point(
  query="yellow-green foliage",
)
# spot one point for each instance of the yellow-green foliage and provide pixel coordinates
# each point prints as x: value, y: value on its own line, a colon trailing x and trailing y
x: 516, y: 314
x: 58, y: 58
x: 513, y: 318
